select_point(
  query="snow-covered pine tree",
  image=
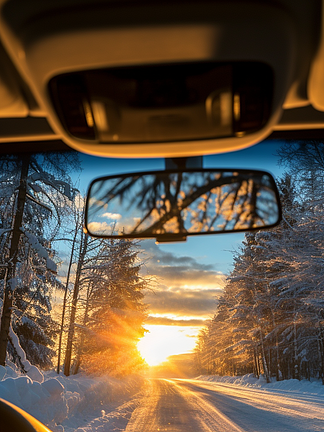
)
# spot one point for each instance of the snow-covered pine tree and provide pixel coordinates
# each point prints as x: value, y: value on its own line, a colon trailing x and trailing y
x: 305, y: 163
x: 115, y: 312
x: 272, y: 303
x: 35, y: 193
x: 203, y: 352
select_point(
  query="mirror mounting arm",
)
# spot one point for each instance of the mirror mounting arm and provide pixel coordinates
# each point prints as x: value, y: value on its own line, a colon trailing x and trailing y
x: 170, y: 239
x: 184, y: 163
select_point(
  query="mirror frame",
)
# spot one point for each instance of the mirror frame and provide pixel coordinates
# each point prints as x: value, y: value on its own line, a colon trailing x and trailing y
x: 169, y: 237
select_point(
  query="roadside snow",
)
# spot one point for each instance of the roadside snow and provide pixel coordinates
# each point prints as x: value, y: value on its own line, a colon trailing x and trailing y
x: 249, y: 380
x: 82, y: 403
x: 77, y: 403
x: 32, y: 371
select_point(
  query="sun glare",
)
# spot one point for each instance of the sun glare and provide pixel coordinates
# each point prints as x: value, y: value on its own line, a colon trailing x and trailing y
x: 163, y: 341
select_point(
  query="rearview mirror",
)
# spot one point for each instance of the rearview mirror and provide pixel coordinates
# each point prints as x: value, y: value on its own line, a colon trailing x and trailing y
x: 170, y: 205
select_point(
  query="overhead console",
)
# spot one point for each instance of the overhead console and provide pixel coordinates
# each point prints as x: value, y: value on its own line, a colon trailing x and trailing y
x: 164, y: 103
x: 133, y: 79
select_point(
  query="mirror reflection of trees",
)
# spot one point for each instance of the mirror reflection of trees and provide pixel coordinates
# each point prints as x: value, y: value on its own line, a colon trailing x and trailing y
x: 183, y: 202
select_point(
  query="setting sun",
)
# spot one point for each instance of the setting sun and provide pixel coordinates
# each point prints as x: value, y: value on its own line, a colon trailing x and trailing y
x: 163, y: 341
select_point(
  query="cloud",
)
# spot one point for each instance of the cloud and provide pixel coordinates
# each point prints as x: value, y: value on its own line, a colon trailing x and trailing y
x: 175, y: 322
x: 100, y: 228
x: 114, y: 216
x: 168, y: 259
x: 183, y: 302
x: 186, y: 275
x: 184, y: 287
x: 173, y: 270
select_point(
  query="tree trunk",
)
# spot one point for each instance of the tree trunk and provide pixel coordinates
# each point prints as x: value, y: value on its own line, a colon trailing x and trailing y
x: 296, y: 361
x: 85, y: 320
x: 64, y: 301
x: 264, y: 360
x: 12, y: 260
x: 320, y: 342
x: 278, y: 368
x: 256, y: 363
x: 68, y: 352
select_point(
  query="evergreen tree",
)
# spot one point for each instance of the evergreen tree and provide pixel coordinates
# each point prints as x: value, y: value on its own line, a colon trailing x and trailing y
x: 115, y: 312
x: 271, y: 304
x: 35, y: 193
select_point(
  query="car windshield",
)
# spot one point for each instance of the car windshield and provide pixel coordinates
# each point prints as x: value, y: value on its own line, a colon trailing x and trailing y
x: 221, y: 332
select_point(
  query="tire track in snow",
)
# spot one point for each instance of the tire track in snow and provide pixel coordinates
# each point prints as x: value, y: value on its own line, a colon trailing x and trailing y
x: 193, y: 406
x: 168, y: 407
x: 290, y: 404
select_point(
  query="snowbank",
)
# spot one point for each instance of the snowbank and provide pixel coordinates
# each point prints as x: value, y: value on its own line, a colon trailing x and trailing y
x: 32, y: 371
x: 59, y: 402
x: 292, y: 385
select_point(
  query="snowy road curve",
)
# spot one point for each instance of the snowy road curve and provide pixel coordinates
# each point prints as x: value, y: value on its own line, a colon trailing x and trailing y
x: 195, y: 406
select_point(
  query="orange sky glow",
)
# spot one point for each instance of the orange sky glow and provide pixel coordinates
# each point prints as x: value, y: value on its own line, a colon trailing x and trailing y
x: 163, y: 341
x: 183, y: 299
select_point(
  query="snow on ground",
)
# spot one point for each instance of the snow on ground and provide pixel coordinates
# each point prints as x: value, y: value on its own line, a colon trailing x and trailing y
x: 249, y: 380
x: 96, y: 404
x: 73, y: 403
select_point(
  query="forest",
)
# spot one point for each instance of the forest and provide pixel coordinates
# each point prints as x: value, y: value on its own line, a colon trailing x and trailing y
x: 269, y: 319
x: 83, y: 308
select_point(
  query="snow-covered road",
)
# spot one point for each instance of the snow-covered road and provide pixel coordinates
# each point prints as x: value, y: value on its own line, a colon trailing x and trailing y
x: 198, y: 406
x: 82, y: 403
